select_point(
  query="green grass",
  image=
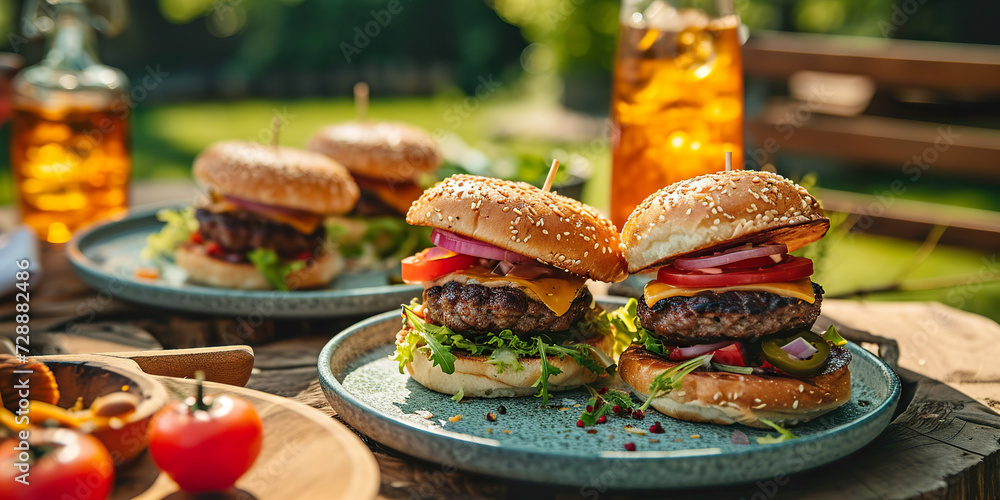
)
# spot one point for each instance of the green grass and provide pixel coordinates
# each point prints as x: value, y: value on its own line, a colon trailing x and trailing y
x: 167, y: 138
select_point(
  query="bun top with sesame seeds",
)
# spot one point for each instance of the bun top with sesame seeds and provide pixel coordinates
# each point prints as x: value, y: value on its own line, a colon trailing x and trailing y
x: 277, y: 175
x: 720, y: 210
x: 521, y: 218
x: 379, y: 150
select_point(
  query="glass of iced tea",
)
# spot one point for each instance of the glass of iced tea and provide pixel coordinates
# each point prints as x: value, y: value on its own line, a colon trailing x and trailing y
x: 70, y: 148
x: 677, y: 104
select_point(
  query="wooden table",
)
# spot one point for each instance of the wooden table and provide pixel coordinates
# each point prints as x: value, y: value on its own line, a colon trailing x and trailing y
x: 943, y: 442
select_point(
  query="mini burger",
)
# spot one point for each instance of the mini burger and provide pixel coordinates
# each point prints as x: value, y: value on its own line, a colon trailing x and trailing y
x: 506, y: 310
x: 385, y: 159
x: 728, y: 294
x: 260, y: 225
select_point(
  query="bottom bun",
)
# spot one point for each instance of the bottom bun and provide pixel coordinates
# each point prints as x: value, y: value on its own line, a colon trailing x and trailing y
x: 728, y: 398
x: 207, y: 270
x: 475, y: 377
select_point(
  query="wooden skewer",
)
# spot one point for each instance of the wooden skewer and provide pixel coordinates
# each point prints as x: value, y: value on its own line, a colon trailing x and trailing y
x: 275, y: 130
x: 361, y: 101
x: 729, y: 161
x: 551, y: 176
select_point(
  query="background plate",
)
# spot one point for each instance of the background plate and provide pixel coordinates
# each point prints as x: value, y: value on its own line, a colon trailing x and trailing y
x: 543, y: 444
x: 105, y: 257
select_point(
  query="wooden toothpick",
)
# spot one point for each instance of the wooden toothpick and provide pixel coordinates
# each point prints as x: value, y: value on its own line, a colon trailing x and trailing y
x: 361, y: 101
x: 275, y: 130
x: 551, y: 176
x: 729, y: 161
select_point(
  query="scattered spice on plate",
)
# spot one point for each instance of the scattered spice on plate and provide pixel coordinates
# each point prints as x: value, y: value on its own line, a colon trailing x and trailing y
x: 454, y: 419
x: 695, y: 436
x: 591, y: 431
x: 506, y: 432
x: 491, y: 417
x: 563, y: 408
x: 654, y: 441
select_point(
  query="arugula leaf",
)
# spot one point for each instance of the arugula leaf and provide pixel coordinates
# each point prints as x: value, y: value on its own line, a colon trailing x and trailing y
x: 179, y: 227
x: 833, y: 336
x: 440, y: 354
x: 783, y: 433
x: 602, y: 404
x: 505, y: 349
x: 458, y: 396
x: 272, y: 267
x: 670, y: 379
x: 548, y: 369
x: 742, y: 370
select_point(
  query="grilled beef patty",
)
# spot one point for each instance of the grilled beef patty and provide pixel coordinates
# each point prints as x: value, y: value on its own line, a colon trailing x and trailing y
x: 477, y: 309
x: 737, y: 315
x: 239, y: 232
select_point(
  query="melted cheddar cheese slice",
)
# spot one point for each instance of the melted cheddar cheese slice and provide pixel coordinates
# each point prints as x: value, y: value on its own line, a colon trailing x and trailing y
x: 304, y: 223
x: 557, y: 293
x: 799, y: 289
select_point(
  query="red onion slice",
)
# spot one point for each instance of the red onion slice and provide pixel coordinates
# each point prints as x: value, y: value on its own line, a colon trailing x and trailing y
x: 698, y: 350
x: 729, y: 256
x: 264, y: 208
x: 799, y: 348
x: 468, y: 246
x: 529, y: 271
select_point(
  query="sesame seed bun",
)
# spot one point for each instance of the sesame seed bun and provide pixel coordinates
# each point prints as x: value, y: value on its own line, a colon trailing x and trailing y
x: 276, y: 175
x: 476, y: 377
x: 207, y: 270
x: 720, y: 210
x: 521, y: 218
x: 727, y: 398
x: 379, y: 150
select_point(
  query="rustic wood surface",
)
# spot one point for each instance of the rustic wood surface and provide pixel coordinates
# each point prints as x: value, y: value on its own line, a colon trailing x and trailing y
x: 943, y: 443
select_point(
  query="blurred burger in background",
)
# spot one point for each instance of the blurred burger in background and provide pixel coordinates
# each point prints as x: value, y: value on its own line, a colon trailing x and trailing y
x: 389, y: 161
x: 260, y: 223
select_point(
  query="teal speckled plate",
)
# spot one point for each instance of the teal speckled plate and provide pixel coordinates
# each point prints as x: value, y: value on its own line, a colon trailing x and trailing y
x: 543, y: 444
x: 105, y: 257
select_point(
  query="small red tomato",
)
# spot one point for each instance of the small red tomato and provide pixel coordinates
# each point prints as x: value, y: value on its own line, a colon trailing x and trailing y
x: 204, y: 443
x: 60, y: 463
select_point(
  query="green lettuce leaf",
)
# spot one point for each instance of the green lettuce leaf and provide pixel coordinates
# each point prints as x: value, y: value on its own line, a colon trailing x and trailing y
x: 434, y: 337
x: 783, y: 433
x: 178, y: 228
x: 272, y: 267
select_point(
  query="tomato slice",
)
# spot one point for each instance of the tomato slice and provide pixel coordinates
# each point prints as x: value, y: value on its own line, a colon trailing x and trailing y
x: 790, y: 269
x: 730, y: 355
x: 431, y: 263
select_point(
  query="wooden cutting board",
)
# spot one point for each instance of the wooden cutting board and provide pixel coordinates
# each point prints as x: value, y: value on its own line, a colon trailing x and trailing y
x: 305, y: 455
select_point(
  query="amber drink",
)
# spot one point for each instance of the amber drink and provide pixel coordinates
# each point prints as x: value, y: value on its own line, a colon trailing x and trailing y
x: 69, y: 148
x: 71, y: 167
x: 677, y: 104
